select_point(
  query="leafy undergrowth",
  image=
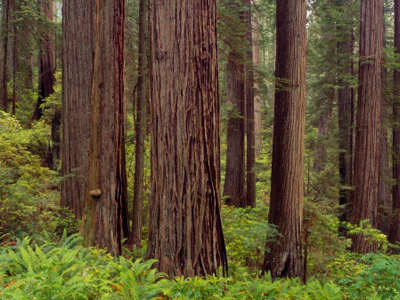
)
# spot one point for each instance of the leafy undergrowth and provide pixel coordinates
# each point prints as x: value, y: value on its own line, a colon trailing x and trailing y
x: 66, y: 270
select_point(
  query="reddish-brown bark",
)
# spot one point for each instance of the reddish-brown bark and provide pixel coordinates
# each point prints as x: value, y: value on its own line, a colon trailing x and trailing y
x: 283, y: 258
x: 185, y: 232
x: 105, y: 218
x: 368, y: 129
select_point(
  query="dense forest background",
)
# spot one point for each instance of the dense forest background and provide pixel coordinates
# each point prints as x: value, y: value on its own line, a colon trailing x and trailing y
x: 199, y: 149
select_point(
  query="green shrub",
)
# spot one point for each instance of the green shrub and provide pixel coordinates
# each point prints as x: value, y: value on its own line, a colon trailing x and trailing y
x: 28, y: 192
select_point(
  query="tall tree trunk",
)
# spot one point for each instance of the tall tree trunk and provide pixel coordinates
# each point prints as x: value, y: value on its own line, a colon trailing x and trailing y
x: 140, y: 126
x: 105, y: 218
x: 75, y: 115
x: 14, y: 56
x: 249, y: 100
x: 234, y: 187
x: 47, y: 60
x: 384, y: 203
x: 367, y: 151
x: 345, y: 117
x: 185, y: 232
x: 394, y: 235
x: 4, y: 99
x: 257, y: 97
x: 283, y: 257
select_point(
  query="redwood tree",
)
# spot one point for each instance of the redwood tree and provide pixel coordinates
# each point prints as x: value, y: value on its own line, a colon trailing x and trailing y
x: 105, y: 219
x: 234, y: 186
x: 250, y: 199
x: 47, y: 58
x: 283, y: 257
x: 140, y: 126
x: 345, y: 112
x: 185, y: 232
x: 368, y: 129
x: 78, y: 18
x: 394, y: 235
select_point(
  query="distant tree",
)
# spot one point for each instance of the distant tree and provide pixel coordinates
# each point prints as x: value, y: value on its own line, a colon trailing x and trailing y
x: 345, y: 110
x: 47, y: 58
x: 368, y: 130
x: 185, y: 232
x: 105, y: 215
x: 140, y: 125
x: 5, y: 32
x: 78, y: 46
x: 234, y: 187
x: 249, y: 100
x: 284, y: 257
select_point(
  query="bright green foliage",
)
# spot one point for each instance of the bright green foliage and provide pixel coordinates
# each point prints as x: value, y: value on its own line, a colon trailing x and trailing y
x: 69, y: 271
x: 373, y: 276
x: 28, y: 193
x: 245, y: 231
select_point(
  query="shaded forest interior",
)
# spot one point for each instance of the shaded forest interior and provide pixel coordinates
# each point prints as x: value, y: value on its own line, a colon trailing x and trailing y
x: 199, y: 149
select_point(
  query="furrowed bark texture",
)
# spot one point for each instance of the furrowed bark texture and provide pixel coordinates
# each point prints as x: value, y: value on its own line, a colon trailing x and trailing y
x: 284, y: 258
x: 140, y: 126
x: 105, y: 219
x: 385, y: 175
x: 185, y: 232
x: 368, y: 130
x: 78, y: 47
x: 234, y: 187
x: 394, y: 235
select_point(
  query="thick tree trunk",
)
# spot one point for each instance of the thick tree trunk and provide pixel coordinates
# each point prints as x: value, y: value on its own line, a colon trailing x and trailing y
x: 345, y: 118
x: 140, y: 127
x: 384, y: 203
x: 185, y: 232
x: 105, y: 218
x: 77, y: 77
x: 47, y: 60
x: 234, y: 187
x: 4, y: 98
x: 249, y: 100
x: 394, y: 235
x: 367, y: 150
x: 284, y: 257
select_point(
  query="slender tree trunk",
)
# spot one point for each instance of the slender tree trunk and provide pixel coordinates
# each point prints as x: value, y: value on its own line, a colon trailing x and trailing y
x: 47, y: 60
x: 77, y: 77
x: 323, y: 130
x: 345, y: 118
x: 185, y: 232
x: 367, y: 151
x: 14, y: 56
x: 4, y: 100
x: 249, y: 100
x: 284, y: 257
x: 105, y: 218
x: 257, y: 97
x: 394, y: 235
x: 234, y: 187
x: 140, y: 126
